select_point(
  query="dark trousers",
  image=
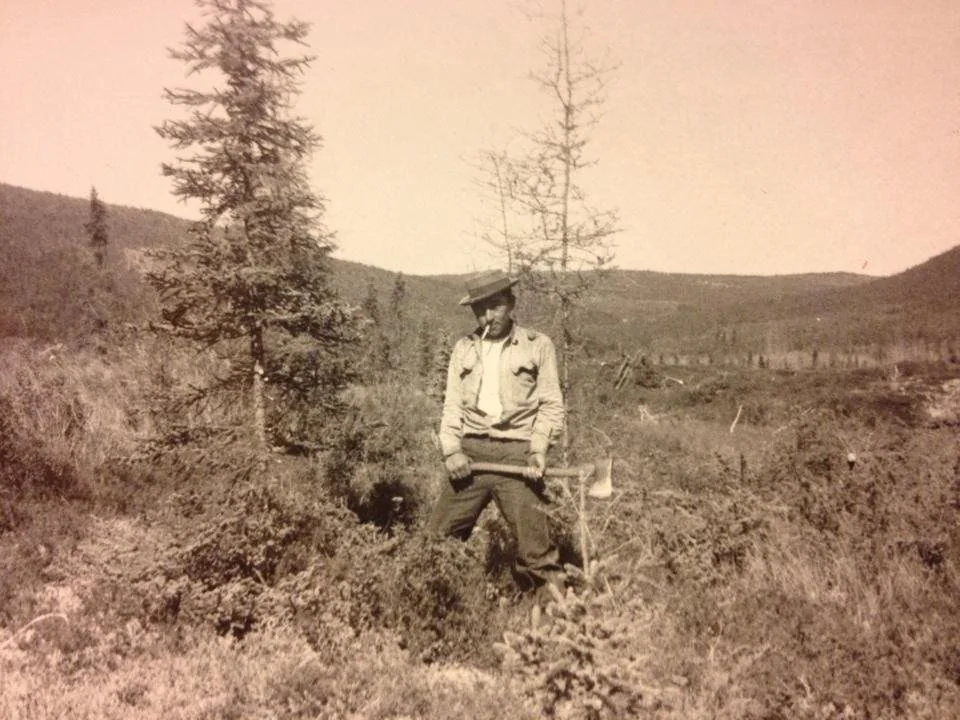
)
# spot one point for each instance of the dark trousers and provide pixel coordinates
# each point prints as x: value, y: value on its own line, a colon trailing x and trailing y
x: 521, y: 501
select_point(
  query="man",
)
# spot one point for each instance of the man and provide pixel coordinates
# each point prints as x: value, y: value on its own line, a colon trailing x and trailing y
x: 502, y: 405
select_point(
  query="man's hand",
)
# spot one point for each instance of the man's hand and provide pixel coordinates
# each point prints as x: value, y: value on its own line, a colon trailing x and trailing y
x: 536, y: 466
x: 458, y: 466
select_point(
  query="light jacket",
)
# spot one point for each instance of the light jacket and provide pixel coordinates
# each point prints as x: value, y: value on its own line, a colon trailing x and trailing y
x: 529, y: 392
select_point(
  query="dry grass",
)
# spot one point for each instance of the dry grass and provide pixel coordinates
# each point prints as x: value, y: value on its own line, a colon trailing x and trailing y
x: 84, y: 408
x: 273, y: 673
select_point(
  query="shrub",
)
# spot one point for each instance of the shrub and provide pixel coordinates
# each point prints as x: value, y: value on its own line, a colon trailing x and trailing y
x: 39, y: 532
x: 274, y: 545
x: 439, y: 601
x: 237, y: 534
x: 382, y: 461
x: 581, y: 656
x: 430, y: 593
x: 39, y: 423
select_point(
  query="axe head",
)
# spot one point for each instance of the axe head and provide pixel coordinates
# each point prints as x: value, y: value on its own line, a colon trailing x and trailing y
x: 602, y: 487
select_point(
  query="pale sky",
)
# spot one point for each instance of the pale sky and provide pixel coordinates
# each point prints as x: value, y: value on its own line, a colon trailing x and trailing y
x: 740, y: 136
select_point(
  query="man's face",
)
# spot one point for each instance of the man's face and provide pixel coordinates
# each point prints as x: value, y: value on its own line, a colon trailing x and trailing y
x: 495, y: 312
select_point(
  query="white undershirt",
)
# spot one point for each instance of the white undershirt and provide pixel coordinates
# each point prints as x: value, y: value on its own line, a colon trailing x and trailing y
x: 489, y: 399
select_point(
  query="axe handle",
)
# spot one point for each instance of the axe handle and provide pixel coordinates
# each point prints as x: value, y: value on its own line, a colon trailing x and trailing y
x: 520, y: 469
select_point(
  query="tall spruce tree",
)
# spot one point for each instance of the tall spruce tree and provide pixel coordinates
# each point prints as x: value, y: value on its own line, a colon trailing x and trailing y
x: 396, y: 331
x: 96, y: 228
x: 398, y: 298
x: 101, y: 301
x: 376, y: 345
x: 252, y: 280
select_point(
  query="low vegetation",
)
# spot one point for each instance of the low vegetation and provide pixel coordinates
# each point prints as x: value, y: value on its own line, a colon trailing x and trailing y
x: 798, y: 562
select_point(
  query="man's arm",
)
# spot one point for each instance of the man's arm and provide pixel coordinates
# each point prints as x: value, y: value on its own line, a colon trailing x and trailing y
x: 549, y: 420
x: 451, y: 420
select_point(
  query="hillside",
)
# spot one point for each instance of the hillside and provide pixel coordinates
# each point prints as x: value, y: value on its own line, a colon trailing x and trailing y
x: 648, y: 305
x: 933, y: 286
x: 917, y: 306
x: 42, y: 250
x: 37, y: 220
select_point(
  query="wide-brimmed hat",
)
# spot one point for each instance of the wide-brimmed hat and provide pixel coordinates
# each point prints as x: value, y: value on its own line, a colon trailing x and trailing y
x: 486, y: 284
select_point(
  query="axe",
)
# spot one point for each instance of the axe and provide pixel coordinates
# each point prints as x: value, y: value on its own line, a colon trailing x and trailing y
x: 601, y: 488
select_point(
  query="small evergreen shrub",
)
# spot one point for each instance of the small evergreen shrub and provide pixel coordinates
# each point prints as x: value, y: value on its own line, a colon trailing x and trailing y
x: 382, y: 460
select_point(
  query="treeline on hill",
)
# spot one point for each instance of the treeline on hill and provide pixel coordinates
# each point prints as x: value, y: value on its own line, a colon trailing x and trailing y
x: 45, y: 291
x: 53, y: 284
x: 825, y: 320
x: 47, y: 269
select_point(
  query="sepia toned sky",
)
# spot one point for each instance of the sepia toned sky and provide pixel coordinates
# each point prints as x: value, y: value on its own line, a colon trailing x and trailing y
x: 740, y: 136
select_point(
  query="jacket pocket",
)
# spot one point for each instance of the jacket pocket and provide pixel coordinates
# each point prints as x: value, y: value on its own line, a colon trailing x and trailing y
x: 470, y: 373
x: 523, y: 381
x: 468, y: 362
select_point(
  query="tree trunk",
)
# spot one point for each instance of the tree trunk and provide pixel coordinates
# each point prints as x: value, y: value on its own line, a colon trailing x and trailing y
x: 565, y: 350
x: 259, y: 411
x: 565, y: 329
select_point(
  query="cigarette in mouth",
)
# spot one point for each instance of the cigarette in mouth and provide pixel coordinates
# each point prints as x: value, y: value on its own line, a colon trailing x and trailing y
x: 486, y: 329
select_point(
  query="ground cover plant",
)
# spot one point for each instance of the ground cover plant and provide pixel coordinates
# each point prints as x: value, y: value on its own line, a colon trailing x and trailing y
x: 779, y: 544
